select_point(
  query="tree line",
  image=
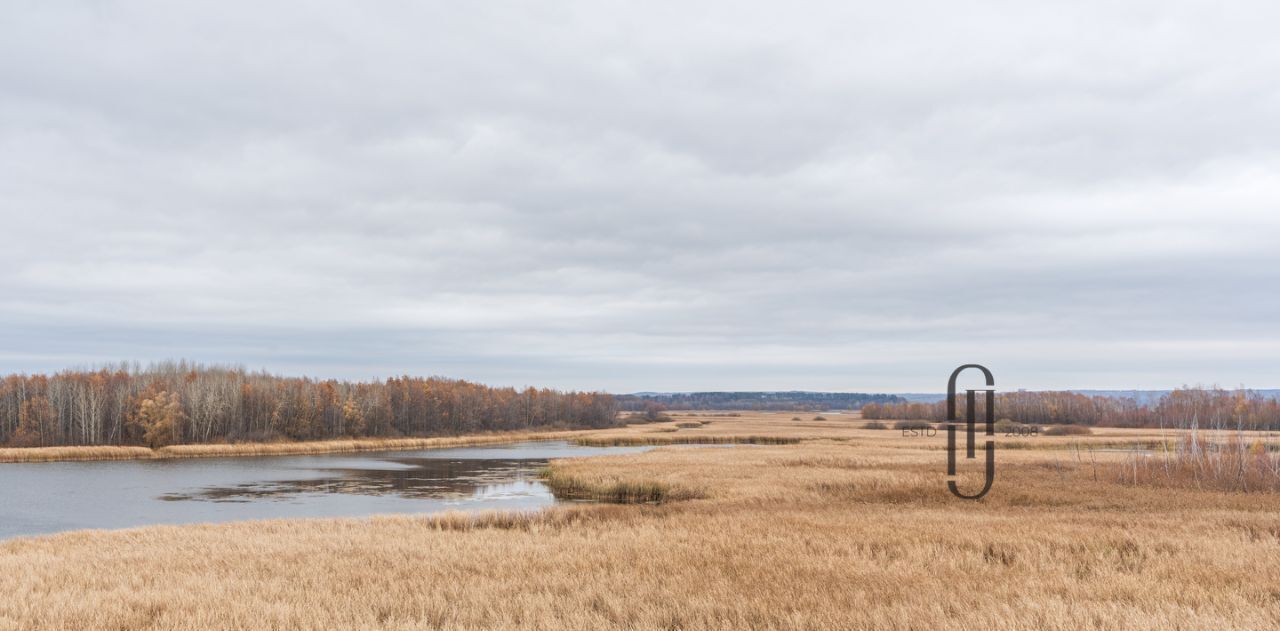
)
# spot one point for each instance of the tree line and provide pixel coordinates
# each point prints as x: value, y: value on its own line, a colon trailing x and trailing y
x: 1206, y: 407
x: 180, y: 402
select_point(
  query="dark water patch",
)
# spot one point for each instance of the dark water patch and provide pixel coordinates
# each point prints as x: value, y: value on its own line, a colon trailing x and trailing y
x: 422, y: 478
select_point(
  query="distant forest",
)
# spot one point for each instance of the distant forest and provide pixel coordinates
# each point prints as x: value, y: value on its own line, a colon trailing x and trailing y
x: 1205, y: 408
x: 179, y: 402
x: 781, y: 401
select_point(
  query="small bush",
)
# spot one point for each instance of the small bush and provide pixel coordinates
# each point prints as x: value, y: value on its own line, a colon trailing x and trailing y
x: 912, y: 425
x: 688, y: 424
x: 795, y: 418
x: 819, y: 418
x: 874, y: 425
x: 639, y: 417
x: 1068, y: 430
x: 1005, y: 425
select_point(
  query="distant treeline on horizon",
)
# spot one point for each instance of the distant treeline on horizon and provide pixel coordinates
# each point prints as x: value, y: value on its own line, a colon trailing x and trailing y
x: 1144, y: 397
x: 778, y: 401
x: 180, y: 402
x: 1184, y: 407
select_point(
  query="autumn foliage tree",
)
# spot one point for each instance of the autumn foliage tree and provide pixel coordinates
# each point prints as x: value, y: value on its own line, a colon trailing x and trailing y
x: 158, y: 419
x: 34, y: 415
x: 180, y: 402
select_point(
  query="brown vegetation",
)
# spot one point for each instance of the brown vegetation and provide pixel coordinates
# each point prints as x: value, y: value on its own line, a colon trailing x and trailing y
x: 609, y: 487
x: 1210, y: 406
x: 847, y: 529
x: 1005, y: 425
x: 176, y: 403
x: 683, y: 439
x: 912, y: 425
x: 1220, y: 460
x: 51, y: 454
x: 1068, y: 430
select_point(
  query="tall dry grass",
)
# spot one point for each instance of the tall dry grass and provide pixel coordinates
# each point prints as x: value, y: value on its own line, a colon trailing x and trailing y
x: 614, y: 490
x: 52, y: 454
x: 1230, y: 461
x: 624, y: 441
x: 848, y: 530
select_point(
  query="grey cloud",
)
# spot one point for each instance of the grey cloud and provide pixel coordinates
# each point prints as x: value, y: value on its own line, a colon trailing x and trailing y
x: 645, y: 197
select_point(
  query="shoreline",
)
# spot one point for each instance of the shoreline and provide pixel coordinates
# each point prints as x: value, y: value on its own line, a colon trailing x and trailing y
x: 88, y: 453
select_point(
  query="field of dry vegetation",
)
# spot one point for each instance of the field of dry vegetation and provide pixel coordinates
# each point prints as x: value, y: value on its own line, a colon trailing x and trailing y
x: 807, y: 523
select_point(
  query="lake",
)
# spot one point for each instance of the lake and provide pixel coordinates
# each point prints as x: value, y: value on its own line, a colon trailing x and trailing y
x: 42, y: 498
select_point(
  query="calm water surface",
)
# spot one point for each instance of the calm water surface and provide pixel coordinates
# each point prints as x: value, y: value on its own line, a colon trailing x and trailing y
x: 43, y: 498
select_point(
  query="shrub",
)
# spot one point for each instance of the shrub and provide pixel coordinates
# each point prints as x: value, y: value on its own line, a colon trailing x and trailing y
x: 653, y: 412
x: 688, y: 424
x: 1006, y: 425
x: 912, y: 425
x: 644, y: 418
x: 874, y: 425
x: 819, y: 418
x: 795, y: 418
x: 1068, y: 430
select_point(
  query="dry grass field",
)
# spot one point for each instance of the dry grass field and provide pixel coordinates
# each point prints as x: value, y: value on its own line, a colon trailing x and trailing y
x: 831, y: 527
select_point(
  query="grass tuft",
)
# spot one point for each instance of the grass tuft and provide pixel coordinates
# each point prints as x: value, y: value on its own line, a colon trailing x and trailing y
x: 572, y: 487
x: 912, y: 425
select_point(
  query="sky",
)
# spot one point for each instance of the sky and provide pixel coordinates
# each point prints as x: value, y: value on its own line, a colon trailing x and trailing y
x: 648, y: 196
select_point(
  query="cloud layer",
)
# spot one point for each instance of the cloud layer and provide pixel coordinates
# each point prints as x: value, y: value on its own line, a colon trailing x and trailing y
x: 646, y: 196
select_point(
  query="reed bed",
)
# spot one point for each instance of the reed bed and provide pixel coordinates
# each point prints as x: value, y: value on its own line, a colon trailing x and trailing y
x: 1231, y: 462
x: 615, y: 490
x: 681, y: 439
x: 826, y: 533
x: 563, y: 516
x: 51, y: 454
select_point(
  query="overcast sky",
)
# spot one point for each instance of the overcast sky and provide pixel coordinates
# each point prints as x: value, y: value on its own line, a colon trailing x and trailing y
x: 646, y: 196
